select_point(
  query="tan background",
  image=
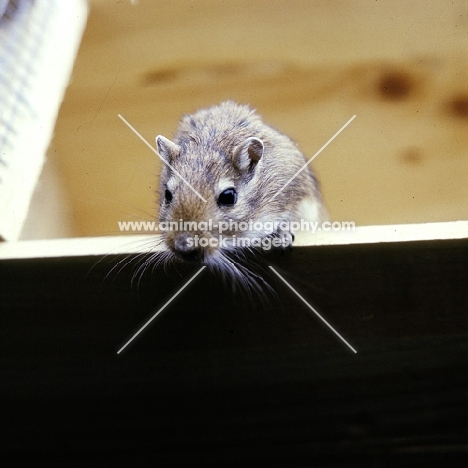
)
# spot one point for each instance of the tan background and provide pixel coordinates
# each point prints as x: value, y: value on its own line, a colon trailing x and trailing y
x: 307, y: 66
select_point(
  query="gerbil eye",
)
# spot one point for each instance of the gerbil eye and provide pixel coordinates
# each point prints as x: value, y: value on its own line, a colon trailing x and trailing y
x: 228, y: 197
x: 168, y: 196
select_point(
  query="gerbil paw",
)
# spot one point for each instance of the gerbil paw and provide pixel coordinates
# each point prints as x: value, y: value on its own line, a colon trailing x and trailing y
x: 287, y: 239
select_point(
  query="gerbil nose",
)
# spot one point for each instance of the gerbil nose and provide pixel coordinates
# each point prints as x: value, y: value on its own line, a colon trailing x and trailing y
x: 186, y: 248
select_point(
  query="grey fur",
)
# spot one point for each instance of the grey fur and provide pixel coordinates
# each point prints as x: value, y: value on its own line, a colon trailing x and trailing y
x: 230, y: 142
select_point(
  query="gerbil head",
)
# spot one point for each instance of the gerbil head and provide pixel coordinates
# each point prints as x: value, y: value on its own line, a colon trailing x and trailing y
x: 220, y: 171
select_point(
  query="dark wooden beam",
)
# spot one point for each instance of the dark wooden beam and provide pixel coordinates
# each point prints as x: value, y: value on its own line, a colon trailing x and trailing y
x: 224, y: 379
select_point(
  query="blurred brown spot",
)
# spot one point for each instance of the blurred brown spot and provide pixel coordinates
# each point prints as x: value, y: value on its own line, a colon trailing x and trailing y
x: 412, y: 155
x: 160, y: 76
x: 458, y: 106
x: 395, y: 85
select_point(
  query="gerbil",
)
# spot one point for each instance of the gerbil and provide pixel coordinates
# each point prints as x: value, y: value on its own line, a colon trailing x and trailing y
x: 237, y: 164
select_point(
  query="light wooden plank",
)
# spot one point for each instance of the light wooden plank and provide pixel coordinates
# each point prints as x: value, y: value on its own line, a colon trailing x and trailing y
x: 307, y: 66
x: 128, y: 244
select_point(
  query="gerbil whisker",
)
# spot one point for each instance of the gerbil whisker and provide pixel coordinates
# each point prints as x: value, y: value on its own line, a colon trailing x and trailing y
x: 146, y: 244
x: 244, y: 279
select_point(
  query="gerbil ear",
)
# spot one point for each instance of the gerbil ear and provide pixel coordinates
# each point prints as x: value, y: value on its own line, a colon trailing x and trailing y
x: 247, y: 155
x: 166, y: 148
